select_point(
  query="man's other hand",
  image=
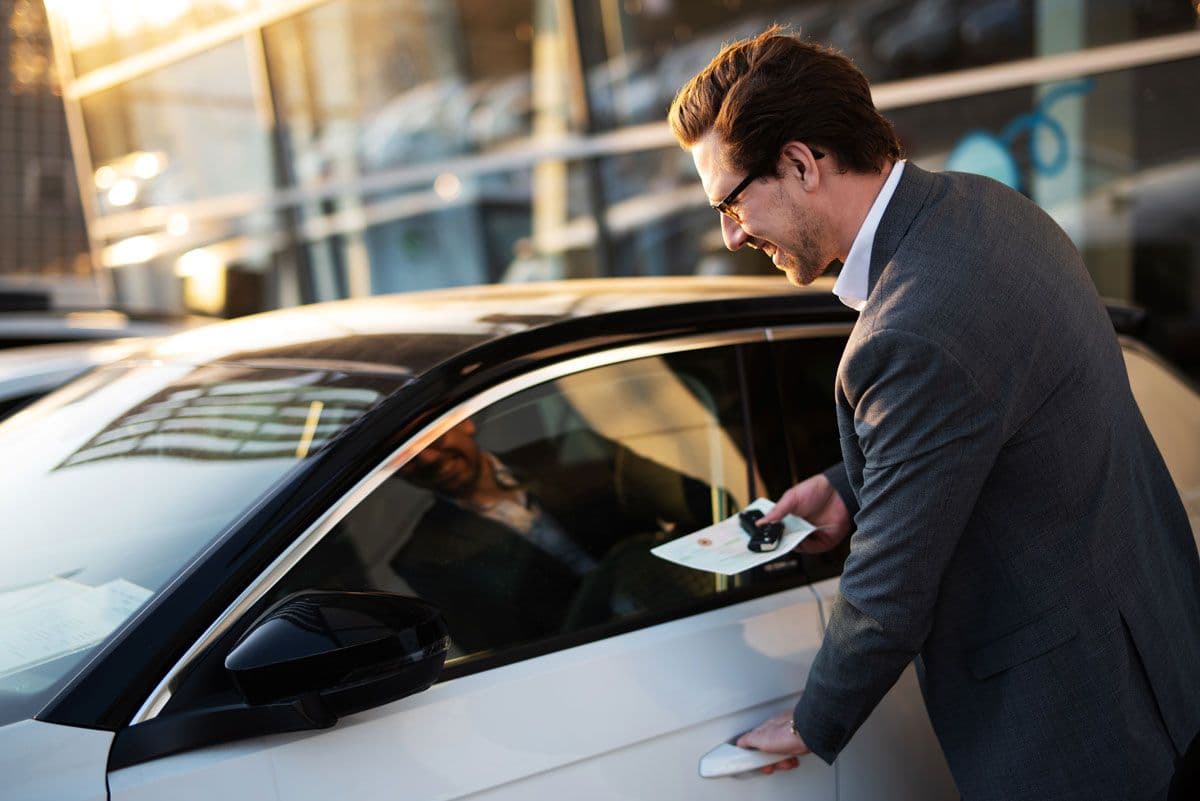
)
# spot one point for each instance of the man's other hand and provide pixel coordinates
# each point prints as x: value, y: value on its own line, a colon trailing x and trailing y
x: 776, y: 736
x: 818, y: 502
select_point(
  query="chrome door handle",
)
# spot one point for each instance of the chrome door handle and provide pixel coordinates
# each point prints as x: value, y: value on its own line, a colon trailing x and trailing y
x: 729, y: 760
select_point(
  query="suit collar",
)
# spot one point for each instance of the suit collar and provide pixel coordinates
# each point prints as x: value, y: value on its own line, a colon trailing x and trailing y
x: 909, y: 198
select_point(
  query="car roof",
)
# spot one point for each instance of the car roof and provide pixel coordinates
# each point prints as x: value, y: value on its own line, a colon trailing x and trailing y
x: 414, y: 331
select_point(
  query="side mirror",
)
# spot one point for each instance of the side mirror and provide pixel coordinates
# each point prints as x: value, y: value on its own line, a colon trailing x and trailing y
x: 353, y: 650
x: 308, y: 660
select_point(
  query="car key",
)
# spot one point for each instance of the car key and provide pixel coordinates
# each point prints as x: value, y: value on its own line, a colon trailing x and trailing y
x: 762, y: 538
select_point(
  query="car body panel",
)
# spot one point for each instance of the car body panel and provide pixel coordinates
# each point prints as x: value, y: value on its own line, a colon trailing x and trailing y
x: 44, y: 762
x: 1171, y: 408
x: 624, y: 708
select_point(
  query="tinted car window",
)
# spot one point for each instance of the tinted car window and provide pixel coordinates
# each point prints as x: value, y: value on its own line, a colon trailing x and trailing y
x: 535, y: 517
x: 806, y: 369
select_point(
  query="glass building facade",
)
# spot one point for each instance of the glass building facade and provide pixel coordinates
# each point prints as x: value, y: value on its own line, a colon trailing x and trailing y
x: 42, y: 230
x: 238, y: 155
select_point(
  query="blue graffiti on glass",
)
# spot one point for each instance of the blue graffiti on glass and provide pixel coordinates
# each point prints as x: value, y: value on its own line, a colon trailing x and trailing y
x: 986, y: 153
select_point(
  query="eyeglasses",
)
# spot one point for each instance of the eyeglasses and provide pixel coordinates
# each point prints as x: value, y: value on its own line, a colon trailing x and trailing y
x: 725, y: 205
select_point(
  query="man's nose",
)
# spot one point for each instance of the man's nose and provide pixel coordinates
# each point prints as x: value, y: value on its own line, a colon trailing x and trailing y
x: 732, y: 233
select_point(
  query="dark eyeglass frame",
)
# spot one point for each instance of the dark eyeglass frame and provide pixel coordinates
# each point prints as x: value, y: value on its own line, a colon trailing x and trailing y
x: 723, y: 206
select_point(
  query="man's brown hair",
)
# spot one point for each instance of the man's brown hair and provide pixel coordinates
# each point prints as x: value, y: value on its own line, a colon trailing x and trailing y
x: 761, y: 93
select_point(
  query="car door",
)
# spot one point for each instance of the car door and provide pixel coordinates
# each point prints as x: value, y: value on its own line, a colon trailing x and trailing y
x: 581, y: 665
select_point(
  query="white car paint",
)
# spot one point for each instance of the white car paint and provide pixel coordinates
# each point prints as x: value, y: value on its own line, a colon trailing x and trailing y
x: 46, y: 762
x: 625, y: 717
x: 38, y: 369
x: 628, y: 717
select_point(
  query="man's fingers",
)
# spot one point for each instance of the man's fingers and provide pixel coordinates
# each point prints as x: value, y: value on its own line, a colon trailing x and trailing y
x: 756, y: 738
x: 786, y: 764
x: 777, y: 512
x: 771, y: 516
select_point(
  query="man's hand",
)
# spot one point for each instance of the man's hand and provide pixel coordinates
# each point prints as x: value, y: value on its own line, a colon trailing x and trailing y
x: 816, y: 501
x: 776, y: 737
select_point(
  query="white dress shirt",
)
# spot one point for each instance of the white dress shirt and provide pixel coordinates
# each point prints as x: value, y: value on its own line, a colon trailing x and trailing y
x: 851, y: 285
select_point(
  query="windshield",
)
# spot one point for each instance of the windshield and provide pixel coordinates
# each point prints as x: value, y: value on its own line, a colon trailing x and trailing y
x: 115, y: 483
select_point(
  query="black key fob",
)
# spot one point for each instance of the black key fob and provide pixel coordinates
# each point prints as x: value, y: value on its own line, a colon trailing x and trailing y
x: 767, y: 538
x: 762, y: 538
x: 749, y: 520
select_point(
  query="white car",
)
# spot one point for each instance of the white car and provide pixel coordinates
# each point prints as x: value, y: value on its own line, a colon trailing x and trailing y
x: 28, y: 373
x: 213, y: 553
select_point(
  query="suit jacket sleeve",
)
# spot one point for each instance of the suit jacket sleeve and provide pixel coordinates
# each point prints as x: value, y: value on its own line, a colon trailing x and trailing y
x: 929, y: 438
x: 836, y: 476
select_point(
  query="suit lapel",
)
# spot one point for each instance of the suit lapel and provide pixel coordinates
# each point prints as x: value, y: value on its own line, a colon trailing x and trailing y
x: 909, y: 198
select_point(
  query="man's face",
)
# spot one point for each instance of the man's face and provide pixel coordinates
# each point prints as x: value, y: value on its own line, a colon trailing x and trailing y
x: 452, y: 465
x: 774, y: 215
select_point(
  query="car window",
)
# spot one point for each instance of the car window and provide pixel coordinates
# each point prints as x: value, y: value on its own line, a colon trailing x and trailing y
x: 806, y: 369
x: 535, y: 517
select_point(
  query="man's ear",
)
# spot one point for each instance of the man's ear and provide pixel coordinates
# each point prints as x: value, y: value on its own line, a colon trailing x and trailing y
x: 796, y: 159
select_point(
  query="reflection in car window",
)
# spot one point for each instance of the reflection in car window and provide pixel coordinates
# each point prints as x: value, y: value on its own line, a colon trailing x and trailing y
x: 114, y: 485
x: 536, y: 517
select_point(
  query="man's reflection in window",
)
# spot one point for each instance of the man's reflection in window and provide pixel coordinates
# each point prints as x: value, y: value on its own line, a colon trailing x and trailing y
x: 527, y: 543
x: 459, y: 470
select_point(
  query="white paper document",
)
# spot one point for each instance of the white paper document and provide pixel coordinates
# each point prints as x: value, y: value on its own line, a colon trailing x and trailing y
x: 55, y: 618
x: 721, y: 548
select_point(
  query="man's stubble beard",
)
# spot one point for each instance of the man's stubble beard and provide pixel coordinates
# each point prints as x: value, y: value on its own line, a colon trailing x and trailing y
x: 805, y: 263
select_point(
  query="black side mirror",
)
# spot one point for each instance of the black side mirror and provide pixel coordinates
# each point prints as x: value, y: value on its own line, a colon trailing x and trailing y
x: 308, y: 660
x: 353, y: 650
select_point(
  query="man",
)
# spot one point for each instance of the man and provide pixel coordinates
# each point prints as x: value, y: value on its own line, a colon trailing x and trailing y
x: 1017, y: 532
x: 524, y: 544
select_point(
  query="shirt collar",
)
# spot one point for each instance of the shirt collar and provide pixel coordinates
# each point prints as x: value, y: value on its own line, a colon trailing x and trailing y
x: 851, y: 285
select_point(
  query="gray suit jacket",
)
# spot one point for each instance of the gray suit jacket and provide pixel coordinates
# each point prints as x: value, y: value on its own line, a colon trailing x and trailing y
x: 1017, y: 530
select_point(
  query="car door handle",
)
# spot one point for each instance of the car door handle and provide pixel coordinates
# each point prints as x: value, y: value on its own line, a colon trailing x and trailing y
x: 729, y: 760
